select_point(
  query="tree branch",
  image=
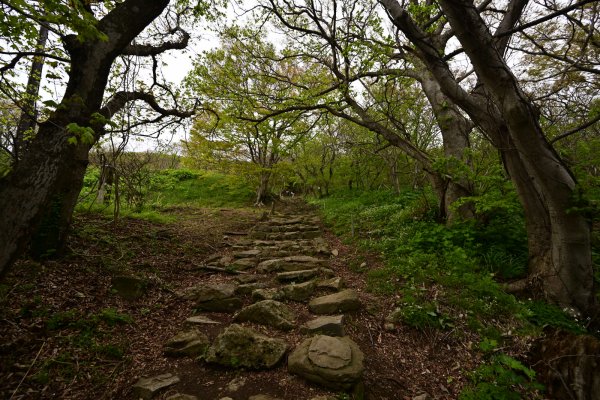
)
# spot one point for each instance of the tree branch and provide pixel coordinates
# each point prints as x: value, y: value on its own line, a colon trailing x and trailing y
x: 144, y: 50
x: 579, y: 128
x: 120, y: 99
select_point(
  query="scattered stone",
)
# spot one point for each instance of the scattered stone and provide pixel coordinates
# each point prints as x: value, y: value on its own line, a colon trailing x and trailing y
x: 266, y: 294
x: 297, y: 276
x: 129, y: 287
x: 395, y: 315
x: 200, y: 320
x: 236, y: 384
x: 248, y: 288
x: 423, y: 396
x: 336, y: 283
x: 389, y: 326
x: 335, y: 363
x: 180, y: 396
x: 242, y: 347
x: 346, y: 300
x: 263, y: 397
x: 146, y: 388
x: 326, y: 272
x: 326, y: 325
x: 268, y: 312
x: 299, y: 292
x: 189, y: 343
x: 335, y: 252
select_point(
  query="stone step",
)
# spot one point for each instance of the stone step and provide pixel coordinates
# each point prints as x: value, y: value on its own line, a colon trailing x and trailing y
x: 146, y: 388
x: 297, y: 276
x: 344, y: 301
x: 285, y: 228
x: 292, y: 263
x: 268, y: 312
x: 285, y: 235
x: 326, y: 325
x: 239, y: 347
x: 187, y: 343
x: 332, y: 362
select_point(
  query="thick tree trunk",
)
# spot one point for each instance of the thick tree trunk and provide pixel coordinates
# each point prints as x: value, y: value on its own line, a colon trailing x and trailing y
x: 262, y: 190
x: 53, y: 168
x: 565, y: 268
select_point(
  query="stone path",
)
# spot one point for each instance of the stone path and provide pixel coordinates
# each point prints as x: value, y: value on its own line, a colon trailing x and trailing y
x: 281, y: 265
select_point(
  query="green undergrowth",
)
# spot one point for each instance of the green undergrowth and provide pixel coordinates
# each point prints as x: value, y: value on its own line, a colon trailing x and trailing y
x: 161, y: 191
x: 450, y: 277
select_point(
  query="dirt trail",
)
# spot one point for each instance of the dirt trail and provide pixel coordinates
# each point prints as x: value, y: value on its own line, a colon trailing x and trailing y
x: 399, y: 362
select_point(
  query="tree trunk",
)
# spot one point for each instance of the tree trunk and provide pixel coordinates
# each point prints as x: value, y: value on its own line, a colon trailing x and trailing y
x: 263, y: 187
x: 52, y: 169
x: 455, y: 129
x: 28, y: 118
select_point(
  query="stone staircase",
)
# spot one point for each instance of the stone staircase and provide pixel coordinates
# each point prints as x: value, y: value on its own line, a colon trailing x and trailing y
x: 280, y: 267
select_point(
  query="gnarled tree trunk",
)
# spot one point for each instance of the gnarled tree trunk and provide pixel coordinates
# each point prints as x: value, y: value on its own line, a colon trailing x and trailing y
x: 52, y: 169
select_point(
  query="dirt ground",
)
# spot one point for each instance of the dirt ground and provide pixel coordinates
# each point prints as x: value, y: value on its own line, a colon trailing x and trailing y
x: 64, y: 333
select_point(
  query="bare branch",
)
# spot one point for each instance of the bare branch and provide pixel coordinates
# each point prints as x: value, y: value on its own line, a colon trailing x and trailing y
x: 146, y: 50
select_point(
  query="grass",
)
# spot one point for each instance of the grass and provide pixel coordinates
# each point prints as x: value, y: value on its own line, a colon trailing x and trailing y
x: 449, y: 277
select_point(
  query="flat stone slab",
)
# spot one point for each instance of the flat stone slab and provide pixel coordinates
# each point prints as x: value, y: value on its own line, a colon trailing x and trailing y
x: 200, y: 320
x: 346, y: 300
x: 188, y: 343
x: 333, y: 362
x: 240, y: 347
x: 297, y: 276
x: 299, y: 292
x: 242, y: 264
x: 263, y: 397
x: 211, y: 291
x: 248, y: 288
x: 336, y: 283
x: 326, y: 325
x: 146, y: 388
x: 291, y: 263
x: 268, y: 312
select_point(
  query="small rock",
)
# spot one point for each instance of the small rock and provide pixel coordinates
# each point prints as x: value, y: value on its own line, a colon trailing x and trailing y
x: 423, y: 396
x: 129, y: 287
x: 248, y: 288
x: 335, y: 252
x: 263, y: 397
x: 390, y: 327
x: 200, y: 320
x: 241, y: 347
x: 297, y: 276
x: 336, y: 283
x: 180, y: 396
x: 299, y: 292
x: 236, y: 384
x: 363, y: 265
x: 189, y: 343
x: 326, y: 325
x: 211, y: 291
x: 346, y: 300
x: 146, y: 388
x: 268, y: 312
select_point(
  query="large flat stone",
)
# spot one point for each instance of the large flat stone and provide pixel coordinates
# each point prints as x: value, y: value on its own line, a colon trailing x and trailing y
x: 335, y: 363
x: 241, y: 347
x: 146, y: 388
x: 188, y: 343
x: 268, y: 312
x: 346, y: 300
x: 291, y: 263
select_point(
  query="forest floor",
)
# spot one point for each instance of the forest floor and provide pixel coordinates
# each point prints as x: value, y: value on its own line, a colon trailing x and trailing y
x: 65, y: 333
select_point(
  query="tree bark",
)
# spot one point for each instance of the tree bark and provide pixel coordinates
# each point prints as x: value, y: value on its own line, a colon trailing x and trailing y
x: 52, y: 169
x: 560, y: 266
